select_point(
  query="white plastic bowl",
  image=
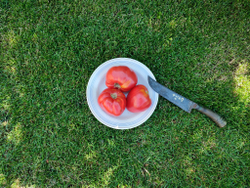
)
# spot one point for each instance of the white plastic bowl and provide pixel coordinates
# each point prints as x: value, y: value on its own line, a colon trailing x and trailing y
x: 96, y: 85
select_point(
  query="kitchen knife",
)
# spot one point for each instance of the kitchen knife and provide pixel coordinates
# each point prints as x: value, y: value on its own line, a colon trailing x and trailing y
x: 183, y: 102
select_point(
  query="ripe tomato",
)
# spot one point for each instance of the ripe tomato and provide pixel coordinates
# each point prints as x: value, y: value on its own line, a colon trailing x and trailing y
x: 138, y: 99
x: 121, y: 77
x: 112, y: 101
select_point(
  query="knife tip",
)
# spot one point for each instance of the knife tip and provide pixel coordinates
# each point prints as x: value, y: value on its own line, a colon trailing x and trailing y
x: 150, y: 79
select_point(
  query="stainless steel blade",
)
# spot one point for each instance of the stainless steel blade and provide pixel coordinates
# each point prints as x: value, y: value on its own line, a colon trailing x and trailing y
x: 170, y: 95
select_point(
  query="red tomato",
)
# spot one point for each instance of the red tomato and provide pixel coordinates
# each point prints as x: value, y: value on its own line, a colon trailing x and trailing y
x: 138, y: 99
x: 112, y: 101
x: 121, y: 77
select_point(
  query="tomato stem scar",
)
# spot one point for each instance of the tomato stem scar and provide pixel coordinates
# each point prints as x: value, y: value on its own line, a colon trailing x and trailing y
x: 113, y: 95
x: 116, y: 85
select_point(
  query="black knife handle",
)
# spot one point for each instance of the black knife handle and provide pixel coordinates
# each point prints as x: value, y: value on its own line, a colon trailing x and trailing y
x: 215, y: 117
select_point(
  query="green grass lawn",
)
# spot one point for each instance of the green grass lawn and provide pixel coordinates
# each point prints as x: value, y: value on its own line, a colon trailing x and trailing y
x: 48, y: 135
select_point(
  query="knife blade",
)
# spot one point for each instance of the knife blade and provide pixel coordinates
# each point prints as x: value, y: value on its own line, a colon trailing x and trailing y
x: 184, y: 103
